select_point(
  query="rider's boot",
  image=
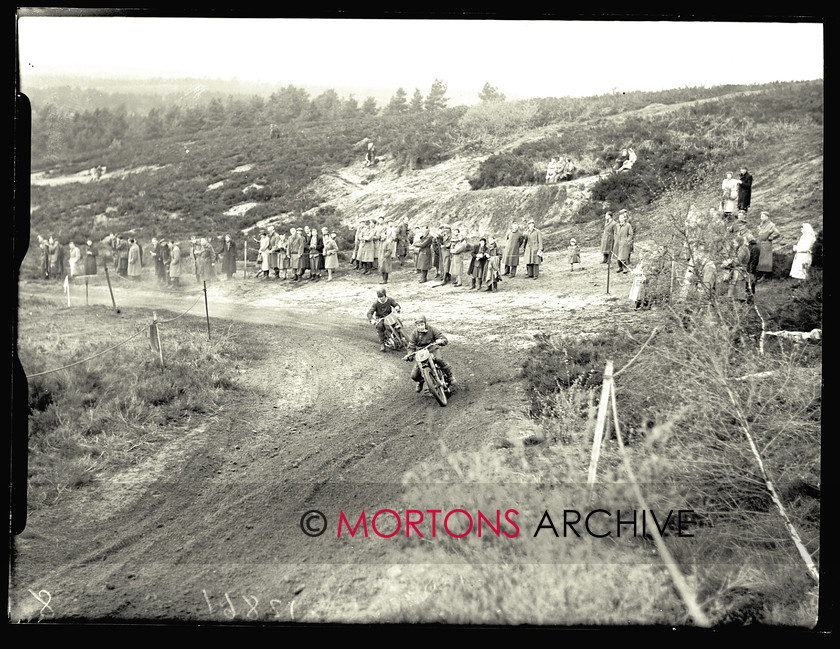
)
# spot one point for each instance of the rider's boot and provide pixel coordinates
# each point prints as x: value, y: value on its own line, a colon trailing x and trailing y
x: 418, y: 387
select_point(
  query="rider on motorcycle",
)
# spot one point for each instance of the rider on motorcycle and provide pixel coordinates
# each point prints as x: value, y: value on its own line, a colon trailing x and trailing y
x: 381, y: 308
x: 423, y: 335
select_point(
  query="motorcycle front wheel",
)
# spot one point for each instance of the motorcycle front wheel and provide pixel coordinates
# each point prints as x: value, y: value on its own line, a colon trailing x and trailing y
x: 434, y: 385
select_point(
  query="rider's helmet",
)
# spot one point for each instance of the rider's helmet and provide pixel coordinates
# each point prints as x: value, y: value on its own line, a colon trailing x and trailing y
x: 420, y: 323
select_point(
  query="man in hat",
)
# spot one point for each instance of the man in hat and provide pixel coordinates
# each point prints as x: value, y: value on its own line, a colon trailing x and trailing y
x: 445, y: 239
x: 383, y: 306
x: 423, y: 336
x: 424, y: 253
x: 513, y: 243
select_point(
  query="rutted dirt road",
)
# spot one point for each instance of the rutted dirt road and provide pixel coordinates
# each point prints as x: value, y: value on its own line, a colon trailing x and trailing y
x: 208, y: 530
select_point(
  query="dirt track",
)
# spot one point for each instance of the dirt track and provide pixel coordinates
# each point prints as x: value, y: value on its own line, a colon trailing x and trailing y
x: 325, y: 422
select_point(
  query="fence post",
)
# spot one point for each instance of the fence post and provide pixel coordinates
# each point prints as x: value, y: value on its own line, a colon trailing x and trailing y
x: 609, y: 265
x: 601, y: 422
x: 206, y: 310
x: 154, y: 337
x: 108, y: 278
x: 245, y: 267
x: 87, y: 303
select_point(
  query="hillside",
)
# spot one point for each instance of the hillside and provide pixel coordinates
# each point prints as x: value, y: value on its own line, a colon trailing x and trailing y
x: 186, y: 473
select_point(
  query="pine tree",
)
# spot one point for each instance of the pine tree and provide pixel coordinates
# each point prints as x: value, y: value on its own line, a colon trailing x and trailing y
x: 436, y: 99
x: 398, y: 103
x: 416, y: 105
x: 490, y: 93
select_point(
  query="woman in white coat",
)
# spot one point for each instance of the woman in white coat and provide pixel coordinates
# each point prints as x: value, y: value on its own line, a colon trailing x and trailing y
x: 803, y: 248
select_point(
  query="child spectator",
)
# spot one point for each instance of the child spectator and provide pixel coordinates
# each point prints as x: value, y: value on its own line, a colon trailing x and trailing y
x: 574, y: 254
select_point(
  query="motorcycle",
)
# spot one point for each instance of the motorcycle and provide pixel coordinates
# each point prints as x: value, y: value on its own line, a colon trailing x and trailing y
x: 432, y: 375
x: 394, y: 337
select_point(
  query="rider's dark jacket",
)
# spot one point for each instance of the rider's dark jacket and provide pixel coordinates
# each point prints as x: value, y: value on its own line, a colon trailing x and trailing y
x: 381, y: 309
x: 418, y: 339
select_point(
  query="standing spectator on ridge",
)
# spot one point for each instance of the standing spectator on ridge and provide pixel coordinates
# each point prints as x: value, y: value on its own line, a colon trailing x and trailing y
x: 608, y: 237
x: 729, y: 198
x: 370, y: 156
x: 533, y: 251
x: 767, y: 234
x: 623, y: 245
x: 744, y: 190
x: 513, y: 243
x: 357, y: 242
x: 330, y: 254
x: 803, y: 249
x: 90, y: 258
x: 228, y: 255
x: 752, y: 265
x: 134, y: 266
x: 402, y: 241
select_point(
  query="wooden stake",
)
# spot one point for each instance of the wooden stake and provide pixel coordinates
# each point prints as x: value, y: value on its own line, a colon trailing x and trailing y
x: 245, y: 265
x: 609, y: 265
x: 206, y: 310
x: 87, y: 303
x: 110, y: 290
x: 156, y: 333
x: 601, y: 423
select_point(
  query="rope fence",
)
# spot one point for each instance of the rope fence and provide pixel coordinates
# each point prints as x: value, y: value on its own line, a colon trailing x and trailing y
x: 153, y: 332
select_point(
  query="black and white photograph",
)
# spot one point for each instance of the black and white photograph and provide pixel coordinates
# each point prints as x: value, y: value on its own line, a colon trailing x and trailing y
x: 420, y: 320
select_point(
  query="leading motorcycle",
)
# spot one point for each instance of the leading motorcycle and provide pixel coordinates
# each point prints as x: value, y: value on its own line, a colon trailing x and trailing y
x: 431, y: 373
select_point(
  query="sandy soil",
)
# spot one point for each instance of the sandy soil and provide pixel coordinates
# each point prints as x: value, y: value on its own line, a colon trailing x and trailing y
x: 208, y: 529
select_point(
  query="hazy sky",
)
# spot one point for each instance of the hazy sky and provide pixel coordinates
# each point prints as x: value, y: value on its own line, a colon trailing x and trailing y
x: 522, y: 58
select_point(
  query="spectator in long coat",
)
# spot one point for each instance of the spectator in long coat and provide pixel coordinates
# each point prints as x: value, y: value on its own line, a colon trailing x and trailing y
x: 491, y: 271
x: 623, y: 244
x: 766, y: 234
x: 166, y: 256
x: 206, y: 261
x: 533, y: 251
x: 175, y: 264
x: 744, y: 189
x: 402, y: 241
x: 228, y: 255
x: 316, y: 257
x: 263, y: 255
x: 436, y: 253
x: 330, y: 254
x: 729, y: 198
x: 90, y: 258
x: 366, y: 248
x: 285, y: 258
x: 459, y: 248
x: 445, y: 243
x: 513, y: 243
x: 424, y: 253
x: 134, y: 266
x: 305, y: 260
x: 195, y: 250
x: 44, y: 257
x: 478, y: 263
x: 122, y: 256
x: 803, y: 249
x: 387, y: 246
x: 378, y: 233
x: 608, y: 237
x: 292, y: 250
x: 155, y: 251
x: 75, y: 256
x: 56, y: 251
x: 357, y: 242
x: 299, y: 253
x: 274, y: 250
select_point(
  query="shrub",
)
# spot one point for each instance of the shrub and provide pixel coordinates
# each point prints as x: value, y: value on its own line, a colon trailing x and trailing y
x: 503, y: 170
